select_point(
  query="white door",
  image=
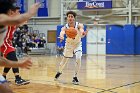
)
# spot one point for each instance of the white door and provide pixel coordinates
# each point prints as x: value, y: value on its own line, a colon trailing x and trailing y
x: 96, y: 40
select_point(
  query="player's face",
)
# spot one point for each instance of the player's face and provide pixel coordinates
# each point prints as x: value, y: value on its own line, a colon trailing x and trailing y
x: 70, y: 18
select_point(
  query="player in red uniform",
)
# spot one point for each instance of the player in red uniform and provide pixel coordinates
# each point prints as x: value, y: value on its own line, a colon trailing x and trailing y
x: 6, y: 7
x: 7, y: 49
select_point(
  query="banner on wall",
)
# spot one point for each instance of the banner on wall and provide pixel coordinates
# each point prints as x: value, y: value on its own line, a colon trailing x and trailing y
x: 22, y: 4
x: 94, y: 4
x: 43, y: 10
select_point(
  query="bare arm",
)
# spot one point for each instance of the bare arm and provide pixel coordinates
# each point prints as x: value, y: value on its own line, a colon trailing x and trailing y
x: 84, y: 33
x: 7, y: 63
x: 6, y: 20
x: 81, y: 29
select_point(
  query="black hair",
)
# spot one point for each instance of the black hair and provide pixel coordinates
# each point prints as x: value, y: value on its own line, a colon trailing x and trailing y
x: 71, y: 12
x: 6, y: 5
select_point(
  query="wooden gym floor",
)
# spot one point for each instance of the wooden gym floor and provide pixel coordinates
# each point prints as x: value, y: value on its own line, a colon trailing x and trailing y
x: 98, y: 74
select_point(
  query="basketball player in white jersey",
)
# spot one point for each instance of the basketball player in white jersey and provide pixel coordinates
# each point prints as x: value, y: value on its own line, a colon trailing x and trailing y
x: 6, y: 6
x: 72, y: 45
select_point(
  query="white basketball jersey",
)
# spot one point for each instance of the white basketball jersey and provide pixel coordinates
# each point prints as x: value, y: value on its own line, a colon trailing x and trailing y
x: 77, y: 39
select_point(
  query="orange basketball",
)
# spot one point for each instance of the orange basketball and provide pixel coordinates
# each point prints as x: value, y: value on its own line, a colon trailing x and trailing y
x: 71, y: 32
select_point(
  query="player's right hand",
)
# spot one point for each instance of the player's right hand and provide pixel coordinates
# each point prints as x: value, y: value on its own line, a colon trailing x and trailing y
x: 61, y: 38
x: 34, y: 8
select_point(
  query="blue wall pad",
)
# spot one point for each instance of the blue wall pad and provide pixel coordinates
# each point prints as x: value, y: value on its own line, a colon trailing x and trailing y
x: 114, y: 39
x: 129, y: 42
x: 137, y: 40
x: 84, y: 42
x: 83, y: 39
x: 57, y: 35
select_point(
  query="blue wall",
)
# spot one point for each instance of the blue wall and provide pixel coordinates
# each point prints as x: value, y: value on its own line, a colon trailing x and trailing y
x: 114, y: 39
x: 84, y: 46
x: 129, y: 39
x: 137, y: 40
x: 122, y: 39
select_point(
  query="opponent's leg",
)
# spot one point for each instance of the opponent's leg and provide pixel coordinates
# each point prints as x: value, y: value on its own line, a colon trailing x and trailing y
x: 18, y: 80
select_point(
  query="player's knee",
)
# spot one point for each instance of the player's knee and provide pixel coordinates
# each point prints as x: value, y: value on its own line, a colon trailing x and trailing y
x: 78, y: 61
x: 78, y: 55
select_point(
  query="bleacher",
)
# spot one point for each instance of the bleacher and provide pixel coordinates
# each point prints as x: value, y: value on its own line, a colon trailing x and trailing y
x: 38, y: 51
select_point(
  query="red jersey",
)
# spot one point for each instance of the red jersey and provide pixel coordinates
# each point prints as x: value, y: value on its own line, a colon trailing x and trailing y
x: 7, y: 46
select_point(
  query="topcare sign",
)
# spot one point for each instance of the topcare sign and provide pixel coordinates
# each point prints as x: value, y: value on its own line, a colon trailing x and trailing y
x: 94, y: 4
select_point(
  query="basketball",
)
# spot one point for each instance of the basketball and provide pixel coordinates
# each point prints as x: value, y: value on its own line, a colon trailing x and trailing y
x: 71, y: 32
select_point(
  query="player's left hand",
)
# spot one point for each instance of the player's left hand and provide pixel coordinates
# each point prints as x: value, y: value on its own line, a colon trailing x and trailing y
x: 26, y: 64
x: 85, y: 33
